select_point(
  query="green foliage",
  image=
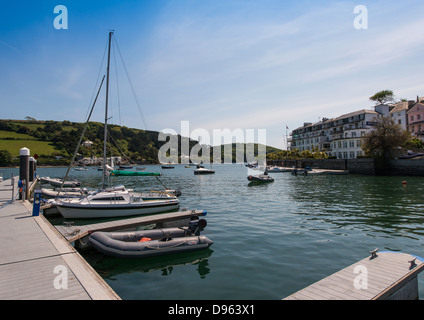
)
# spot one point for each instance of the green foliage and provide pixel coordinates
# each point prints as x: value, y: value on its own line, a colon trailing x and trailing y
x: 415, y: 143
x: 5, y: 158
x: 384, y: 139
x: 383, y: 96
x: 295, y: 154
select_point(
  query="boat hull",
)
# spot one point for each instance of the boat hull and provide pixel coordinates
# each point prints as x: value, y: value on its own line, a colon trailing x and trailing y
x: 121, y: 173
x: 204, y: 171
x: 260, y: 179
x: 158, y: 242
x: 86, y: 211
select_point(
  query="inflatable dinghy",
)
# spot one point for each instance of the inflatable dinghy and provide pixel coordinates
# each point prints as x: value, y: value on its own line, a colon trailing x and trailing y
x: 148, y: 243
x: 260, y: 178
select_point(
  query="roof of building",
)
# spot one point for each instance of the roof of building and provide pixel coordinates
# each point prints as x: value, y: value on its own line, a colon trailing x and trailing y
x: 400, y: 106
x: 355, y: 113
x: 416, y: 106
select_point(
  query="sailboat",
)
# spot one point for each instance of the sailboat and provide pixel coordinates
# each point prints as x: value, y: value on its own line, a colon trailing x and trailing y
x: 117, y: 201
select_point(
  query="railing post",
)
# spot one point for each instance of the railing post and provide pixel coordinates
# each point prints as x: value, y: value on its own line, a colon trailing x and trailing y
x: 24, y: 170
x: 12, y: 180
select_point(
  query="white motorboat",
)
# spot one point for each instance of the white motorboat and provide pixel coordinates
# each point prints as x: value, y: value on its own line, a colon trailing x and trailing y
x: 114, y: 202
x: 204, y: 171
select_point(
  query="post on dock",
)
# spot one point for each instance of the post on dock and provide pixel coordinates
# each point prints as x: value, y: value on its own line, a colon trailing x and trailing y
x: 37, y: 202
x: 24, y: 170
x: 32, y: 168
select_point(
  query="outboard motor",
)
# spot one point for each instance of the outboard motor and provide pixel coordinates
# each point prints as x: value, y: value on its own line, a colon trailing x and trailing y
x: 197, y: 225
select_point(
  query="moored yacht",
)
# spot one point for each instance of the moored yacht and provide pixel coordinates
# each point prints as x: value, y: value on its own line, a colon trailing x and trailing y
x: 115, y: 202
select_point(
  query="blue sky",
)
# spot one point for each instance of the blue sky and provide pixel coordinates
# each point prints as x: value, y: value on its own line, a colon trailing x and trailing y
x: 218, y: 64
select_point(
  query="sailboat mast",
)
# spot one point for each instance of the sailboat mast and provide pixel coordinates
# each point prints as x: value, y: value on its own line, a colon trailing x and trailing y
x: 106, y: 106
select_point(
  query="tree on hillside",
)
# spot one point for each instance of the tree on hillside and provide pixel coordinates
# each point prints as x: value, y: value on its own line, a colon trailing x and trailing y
x: 382, y: 97
x: 5, y: 158
x: 383, y: 140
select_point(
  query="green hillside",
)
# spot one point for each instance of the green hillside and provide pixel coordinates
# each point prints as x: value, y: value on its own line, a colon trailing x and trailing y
x: 55, y: 141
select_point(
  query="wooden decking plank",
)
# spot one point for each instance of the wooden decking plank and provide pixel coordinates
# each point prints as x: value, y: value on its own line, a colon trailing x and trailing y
x: 30, y: 249
x: 385, y: 274
x: 371, y: 291
x: 341, y: 288
x: 374, y: 286
x: 39, y: 283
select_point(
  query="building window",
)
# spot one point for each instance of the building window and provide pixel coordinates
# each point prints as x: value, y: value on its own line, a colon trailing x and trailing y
x: 352, y: 154
x: 400, y: 121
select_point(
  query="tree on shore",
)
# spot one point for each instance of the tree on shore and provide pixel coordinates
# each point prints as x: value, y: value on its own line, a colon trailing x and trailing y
x: 383, y: 140
x: 382, y: 97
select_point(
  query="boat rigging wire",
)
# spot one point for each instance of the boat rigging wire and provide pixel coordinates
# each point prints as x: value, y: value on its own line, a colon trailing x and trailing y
x: 131, y: 85
x: 80, y: 140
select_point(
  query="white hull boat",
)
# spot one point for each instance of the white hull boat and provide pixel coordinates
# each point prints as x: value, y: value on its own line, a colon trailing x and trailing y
x: 55, y: 182
x: 203, y: 171
x: 64, y: 193
x: 114, y: 202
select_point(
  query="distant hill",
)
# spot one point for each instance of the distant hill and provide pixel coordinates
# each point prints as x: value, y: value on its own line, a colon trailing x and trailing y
x: 55, y: 141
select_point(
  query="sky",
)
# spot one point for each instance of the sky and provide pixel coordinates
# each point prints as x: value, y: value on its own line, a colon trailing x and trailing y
x: 233, y: 64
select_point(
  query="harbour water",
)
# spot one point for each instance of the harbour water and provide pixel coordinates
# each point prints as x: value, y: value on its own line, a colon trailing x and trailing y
x: 269, y: 240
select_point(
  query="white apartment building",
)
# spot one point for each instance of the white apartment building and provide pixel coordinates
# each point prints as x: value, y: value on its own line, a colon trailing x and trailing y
x: 340, y: 137
x: 399, y: 113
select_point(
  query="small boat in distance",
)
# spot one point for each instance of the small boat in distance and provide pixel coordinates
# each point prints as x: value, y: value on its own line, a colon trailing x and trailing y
x: 124, y: 173
x: 260, y: 178
x: 168, y: 166
x: 203, y: 171
x: 125, y: 166
x: 278, y: 169
x: 81, y: 169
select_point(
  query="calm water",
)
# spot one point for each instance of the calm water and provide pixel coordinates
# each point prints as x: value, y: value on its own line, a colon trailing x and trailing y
x: 269, y: 240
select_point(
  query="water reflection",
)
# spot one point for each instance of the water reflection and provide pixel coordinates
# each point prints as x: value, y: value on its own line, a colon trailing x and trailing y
x: 380, y: 204
x: 110, y: 267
